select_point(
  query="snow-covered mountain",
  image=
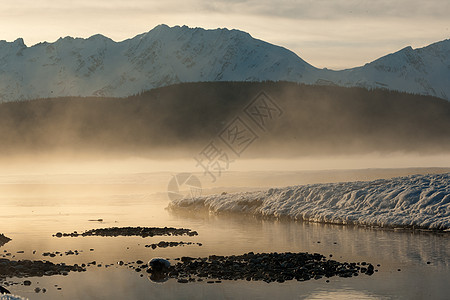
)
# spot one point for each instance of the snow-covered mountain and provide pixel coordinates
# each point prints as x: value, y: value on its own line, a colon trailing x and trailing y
x: 423, y: 71
x: 166, y: 55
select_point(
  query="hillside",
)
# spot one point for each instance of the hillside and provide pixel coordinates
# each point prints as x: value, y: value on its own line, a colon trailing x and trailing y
x: 180, y: 120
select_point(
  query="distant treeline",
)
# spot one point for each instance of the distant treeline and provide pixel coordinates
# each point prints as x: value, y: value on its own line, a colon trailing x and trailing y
x: 177, y: 119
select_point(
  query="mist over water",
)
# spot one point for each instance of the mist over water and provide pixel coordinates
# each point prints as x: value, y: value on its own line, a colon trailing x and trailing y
x: 178, y: 122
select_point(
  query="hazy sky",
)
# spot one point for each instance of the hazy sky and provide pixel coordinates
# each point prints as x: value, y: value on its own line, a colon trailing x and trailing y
x: 325, y: 33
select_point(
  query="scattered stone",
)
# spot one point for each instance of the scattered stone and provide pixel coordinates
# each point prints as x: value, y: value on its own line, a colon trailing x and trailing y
x: 131, y: 231
x: 27, y: 282
x: 163, y: 244
x: 37, y: 290
x: 54, y: 254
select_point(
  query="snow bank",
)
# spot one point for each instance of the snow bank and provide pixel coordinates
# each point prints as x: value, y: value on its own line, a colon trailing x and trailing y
x: 419, y: 200
x: 11, y: 297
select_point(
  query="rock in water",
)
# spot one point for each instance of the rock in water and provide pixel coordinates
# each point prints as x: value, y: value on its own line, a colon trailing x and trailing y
x: 159, y: 265
x: 3, y: 239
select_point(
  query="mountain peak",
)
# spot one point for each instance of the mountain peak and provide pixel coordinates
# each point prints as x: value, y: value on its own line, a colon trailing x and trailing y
x: 406, y: 49
x: 19, y: 42
x: 99, y: 37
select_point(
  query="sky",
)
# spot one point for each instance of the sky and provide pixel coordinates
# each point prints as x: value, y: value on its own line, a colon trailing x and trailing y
x: 335, y: 34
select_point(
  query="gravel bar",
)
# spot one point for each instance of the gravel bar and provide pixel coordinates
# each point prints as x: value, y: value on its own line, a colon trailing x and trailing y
x: 268, y: 267
x: 32, y: 268
x: 131, y: 231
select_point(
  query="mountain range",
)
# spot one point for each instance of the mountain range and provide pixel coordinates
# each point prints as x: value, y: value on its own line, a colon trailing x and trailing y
x: 99, y: 66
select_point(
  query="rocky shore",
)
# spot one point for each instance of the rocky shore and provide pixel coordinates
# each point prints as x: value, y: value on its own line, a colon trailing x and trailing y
x: 131, y: 231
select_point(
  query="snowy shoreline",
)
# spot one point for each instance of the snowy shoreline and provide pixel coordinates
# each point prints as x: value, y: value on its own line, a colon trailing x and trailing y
x: 417, y: 201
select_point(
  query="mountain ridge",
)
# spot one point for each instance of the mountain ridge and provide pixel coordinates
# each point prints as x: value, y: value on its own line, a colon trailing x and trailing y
x: 99, y: 66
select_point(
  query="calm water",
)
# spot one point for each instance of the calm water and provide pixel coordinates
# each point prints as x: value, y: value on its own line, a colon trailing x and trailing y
x: 32, y: 208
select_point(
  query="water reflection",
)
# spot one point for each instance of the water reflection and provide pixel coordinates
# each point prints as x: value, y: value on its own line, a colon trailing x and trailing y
x: 349, y: 242
x: 31, y: 214
x: 158, y: 277
x: 344, y: 294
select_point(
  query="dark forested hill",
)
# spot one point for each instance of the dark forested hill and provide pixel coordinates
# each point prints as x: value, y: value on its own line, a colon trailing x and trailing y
x: 185, y: 117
